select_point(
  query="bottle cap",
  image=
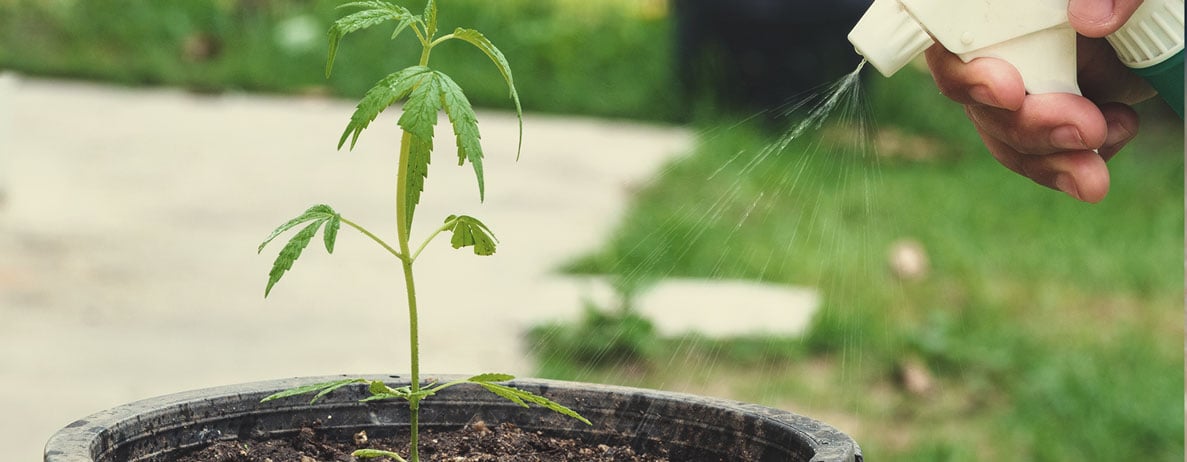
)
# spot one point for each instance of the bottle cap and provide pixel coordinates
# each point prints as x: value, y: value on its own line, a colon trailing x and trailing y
x: 1152, y: 35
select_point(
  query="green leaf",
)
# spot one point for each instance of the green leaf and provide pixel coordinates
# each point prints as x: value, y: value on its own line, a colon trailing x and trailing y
x: 317, y: 212
x: 373, y: 453
x: 522, y: 398
x: 324, y: 388
x: 290, y: 253
x: 380, y: 391
x: 431, y: 18
x: 465, y: 126
x: 418, y: 120
x: 374, y: 12
x: 386, y: 92
x: 419, y: 150
x: 482, y: 43
x: 468, y: 231
x: 377, y: 387
x: 384, y: 397
x: 420, y: 112
x: 490, y: 377
x: 331, y: 232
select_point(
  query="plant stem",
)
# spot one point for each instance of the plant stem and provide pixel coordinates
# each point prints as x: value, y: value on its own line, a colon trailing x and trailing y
x: 373, y: 237
x: 441, y: 39
x: 414, y: 343
x: 446, y: 226
x: 403, y: 225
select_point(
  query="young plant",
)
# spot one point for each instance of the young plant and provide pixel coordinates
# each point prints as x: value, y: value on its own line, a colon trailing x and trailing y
x: 425, y: 92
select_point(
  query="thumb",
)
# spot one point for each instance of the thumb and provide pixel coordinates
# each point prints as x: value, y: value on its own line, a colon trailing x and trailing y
x: 1098, y: 18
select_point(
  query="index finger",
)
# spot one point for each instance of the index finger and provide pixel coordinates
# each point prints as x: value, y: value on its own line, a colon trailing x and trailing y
x: 1098, y: 18
x: 982, y: 81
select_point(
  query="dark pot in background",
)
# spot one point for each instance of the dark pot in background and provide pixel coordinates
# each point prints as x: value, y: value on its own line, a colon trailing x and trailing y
x: 752, y: 55
x: 693, y: 428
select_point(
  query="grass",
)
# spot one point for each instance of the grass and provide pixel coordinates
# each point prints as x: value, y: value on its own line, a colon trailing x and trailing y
x: 569, y: 54
x: 1052, y: 330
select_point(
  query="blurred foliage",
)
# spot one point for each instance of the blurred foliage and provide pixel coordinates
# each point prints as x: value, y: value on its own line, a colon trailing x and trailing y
x: 600, y: 338
x: 598, y: 58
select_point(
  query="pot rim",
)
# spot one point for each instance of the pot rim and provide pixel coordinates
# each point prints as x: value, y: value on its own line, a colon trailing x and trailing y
x: 82, y: 436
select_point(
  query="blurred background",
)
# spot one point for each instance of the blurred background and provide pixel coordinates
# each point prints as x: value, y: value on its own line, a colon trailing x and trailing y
x: 961, y: 312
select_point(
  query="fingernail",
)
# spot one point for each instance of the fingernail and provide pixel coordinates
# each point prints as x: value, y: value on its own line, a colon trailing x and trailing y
x: 983, y: 95
x: 1118, y: 134
x: 1092, y: 10
x: 1067, y: 137
x: 1067, y: 184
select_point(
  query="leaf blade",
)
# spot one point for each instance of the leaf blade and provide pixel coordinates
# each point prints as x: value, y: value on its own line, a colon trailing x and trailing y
x: 430, y: 16
x: 330, y: 234
x: 374, y: 12
x: 465, y: 127
x: 290, y: 253
x: 469, y: 231
x: 419, y: 157
x: 491, y: 377
x: 419, y: 122
x: 374, y: 453
x: 480, y: 41
x: 522, y: 398
x: 306, y: 389
x: 394, y: 87
x: 315, y: 212
x: 420, y: 111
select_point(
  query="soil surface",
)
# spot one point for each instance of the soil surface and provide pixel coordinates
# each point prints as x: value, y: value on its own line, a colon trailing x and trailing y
x: 476, y: 442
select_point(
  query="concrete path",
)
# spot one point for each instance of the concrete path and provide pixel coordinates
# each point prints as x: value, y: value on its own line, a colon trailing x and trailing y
x: 130, y: 218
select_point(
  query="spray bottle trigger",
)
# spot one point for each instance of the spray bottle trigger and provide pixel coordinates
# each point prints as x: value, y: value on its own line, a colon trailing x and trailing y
x: 1046, y: 59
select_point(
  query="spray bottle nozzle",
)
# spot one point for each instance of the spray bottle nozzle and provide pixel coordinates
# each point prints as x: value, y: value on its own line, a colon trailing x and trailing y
x: 1033, y: 35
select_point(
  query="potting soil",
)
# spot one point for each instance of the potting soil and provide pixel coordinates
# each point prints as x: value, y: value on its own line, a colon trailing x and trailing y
x: 476, y: 442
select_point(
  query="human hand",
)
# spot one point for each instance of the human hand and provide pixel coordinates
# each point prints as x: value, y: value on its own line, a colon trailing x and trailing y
x: 1061, y: 140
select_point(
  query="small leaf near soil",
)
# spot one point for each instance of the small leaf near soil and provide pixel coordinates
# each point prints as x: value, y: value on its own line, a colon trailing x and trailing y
x: 323, y: 388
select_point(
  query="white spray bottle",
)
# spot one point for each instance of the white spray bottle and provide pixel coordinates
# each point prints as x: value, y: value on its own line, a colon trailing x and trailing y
x: 1033, y: 35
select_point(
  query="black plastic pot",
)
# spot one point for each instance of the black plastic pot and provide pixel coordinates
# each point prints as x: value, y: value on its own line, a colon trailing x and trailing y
x: 693, y: 428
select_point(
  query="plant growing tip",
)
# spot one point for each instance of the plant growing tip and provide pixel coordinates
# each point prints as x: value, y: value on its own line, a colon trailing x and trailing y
x: 425, y: 92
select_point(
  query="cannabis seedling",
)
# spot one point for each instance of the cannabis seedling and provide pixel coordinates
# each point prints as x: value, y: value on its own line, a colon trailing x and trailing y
x: 425, y: 92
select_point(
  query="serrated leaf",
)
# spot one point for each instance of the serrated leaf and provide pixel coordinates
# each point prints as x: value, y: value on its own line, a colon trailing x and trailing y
x: 324, y: 388
x: 418, y: 120
x: 377, y: 387
x: 401, y: 26
x: 384, y: 396
x: 465, y: 126
x: 374, y: 12
x: 420, y: 111
x: 386, y: 92
x: 330, y: 234
x: 522, y: 398
x: 490, y: 377
x: 320, y: 211
x: 482, y: 43
x: 431, y: 18
x: 468, y: 231
x: 325, y: 391
x: 403, y: 393
x: 419, y: 156
x: 373, y: 453
x: 290, y: 253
